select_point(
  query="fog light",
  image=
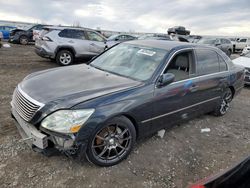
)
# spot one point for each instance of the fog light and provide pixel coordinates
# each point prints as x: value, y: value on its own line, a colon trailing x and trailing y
x: 64, y: 142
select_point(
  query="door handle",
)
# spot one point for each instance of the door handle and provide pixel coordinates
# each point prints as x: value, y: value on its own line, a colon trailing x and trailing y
x: 193, y: 88
x: 71, y: 41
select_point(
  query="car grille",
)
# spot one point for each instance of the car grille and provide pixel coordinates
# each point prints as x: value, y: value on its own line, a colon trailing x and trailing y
x: 247, y: 71
x: 24, y: 105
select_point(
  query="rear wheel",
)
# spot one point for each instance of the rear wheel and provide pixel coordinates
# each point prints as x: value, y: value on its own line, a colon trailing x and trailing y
x: 224, y: 104
x: 64, y: 57
x: 229, y: 53
x: 23, y: 40
x: 112, y: 142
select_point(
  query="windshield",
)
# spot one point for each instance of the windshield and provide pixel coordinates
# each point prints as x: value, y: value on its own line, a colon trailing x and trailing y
x: 136, y: 62
x: 207, y: 41
x: 112, y: 37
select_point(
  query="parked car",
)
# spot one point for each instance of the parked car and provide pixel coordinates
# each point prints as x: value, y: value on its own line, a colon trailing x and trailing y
x: 1, y: 36
x: 6, y: 31
x: 130, y: 91
x: 222, y: 43
x: 246, y: 50
x: 233, y: 41
x: 179, y: 30
x: 244, y: 61
x: 241, y: 43
x: 68, y: 44
x: 235, y: 177
x: 154, y: 36
x: 21, y: 36
x: 115, y: 39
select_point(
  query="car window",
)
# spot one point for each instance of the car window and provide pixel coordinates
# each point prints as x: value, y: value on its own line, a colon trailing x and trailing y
x: 182, y: 66
x: 228, y: 41
x: 94, y: 36
x: 207, y: 61
x: 222, y: 64
x: 72, y: 33
x: 1, y: 27
x: 37, y: 27
x: 243, y: 40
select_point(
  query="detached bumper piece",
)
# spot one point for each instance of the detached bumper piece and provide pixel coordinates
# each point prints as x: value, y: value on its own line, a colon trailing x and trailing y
x: 29, y: 133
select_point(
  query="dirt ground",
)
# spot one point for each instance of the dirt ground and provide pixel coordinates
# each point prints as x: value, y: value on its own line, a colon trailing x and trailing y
x: 184, y: 155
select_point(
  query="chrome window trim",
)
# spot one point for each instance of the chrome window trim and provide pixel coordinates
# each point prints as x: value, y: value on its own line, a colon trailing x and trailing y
x: 29, y: 98
x: 195, y: 75
x: 181, y: 109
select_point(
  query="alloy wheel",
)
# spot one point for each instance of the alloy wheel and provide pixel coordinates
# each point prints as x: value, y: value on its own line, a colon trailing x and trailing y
x: 65, y: 58
x: 111, y: 143
x: 225, y: 104
x: 24, y: 40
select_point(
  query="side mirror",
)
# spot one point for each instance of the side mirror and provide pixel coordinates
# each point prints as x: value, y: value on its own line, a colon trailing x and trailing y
x: 217, y: 44
x: 116, y: 39
x: 165, y: 79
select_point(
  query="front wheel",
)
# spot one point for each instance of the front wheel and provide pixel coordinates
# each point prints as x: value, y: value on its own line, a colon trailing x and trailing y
x: 23, y: 40
x: 112, y: 142
x: 224, y: 104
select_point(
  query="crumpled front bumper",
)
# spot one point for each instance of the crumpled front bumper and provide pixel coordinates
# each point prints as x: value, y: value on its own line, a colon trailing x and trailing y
x: 30, y: 134
x: 41, y: 140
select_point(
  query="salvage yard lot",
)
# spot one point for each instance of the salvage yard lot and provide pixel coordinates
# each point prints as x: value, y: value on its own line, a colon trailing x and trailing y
x: 184, y: 155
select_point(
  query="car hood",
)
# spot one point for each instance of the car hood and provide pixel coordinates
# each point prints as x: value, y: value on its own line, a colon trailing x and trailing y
x: 78, y: 83
x: 17, y: 30
x: 243, y: 61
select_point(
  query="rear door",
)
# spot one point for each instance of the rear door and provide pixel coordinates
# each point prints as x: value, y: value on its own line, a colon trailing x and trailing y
x: 179, y: 100
x: 96, y: 42
x: 212, y: 71
x: 75, y: 39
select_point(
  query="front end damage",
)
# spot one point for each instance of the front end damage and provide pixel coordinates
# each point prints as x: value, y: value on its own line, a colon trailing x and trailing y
x: 47, y: 142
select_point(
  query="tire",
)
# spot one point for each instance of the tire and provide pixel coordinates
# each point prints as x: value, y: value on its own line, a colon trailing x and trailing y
x: 229, y: 53
x: 23, y: 40
x: 64, y: 57
x: 224, y: 104
x: 112, y: 142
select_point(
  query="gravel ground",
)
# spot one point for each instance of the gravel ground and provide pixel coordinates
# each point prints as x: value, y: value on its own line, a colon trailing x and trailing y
x: 182, y: 156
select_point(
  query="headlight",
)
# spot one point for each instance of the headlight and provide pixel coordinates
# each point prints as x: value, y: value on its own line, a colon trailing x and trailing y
x: 67, y: 121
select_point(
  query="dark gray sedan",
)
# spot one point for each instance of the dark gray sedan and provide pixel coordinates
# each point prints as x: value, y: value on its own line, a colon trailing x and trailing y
x: 224, y: 44
x: 130, y: 91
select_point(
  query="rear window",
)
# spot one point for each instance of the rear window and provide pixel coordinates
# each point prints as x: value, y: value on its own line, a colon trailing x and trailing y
x: 222, y: 63
x: 207, y: 62
x: 71, y: 33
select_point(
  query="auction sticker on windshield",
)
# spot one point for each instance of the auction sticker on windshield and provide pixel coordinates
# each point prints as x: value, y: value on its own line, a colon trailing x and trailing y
x: 146, y: 52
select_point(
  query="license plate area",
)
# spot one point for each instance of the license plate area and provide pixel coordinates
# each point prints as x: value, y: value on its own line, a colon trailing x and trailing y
x: 29, y: 133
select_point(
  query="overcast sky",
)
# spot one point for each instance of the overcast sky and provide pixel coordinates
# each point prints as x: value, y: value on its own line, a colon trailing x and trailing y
x: 211, y: 17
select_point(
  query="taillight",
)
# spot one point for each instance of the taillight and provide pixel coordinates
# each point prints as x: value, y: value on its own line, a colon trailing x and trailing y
x: 46, y: 38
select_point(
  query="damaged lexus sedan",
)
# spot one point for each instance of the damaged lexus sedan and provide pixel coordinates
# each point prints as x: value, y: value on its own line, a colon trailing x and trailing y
x: 132, y: 90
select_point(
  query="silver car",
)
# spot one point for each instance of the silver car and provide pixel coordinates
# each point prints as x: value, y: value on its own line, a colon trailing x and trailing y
x: 68, y: 44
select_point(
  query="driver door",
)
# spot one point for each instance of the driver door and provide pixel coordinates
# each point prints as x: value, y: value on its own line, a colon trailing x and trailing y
x: 177, y: 101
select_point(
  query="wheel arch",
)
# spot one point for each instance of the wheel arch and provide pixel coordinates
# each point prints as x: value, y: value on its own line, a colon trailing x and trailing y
x: 69, y: 48
x: 232, y: 90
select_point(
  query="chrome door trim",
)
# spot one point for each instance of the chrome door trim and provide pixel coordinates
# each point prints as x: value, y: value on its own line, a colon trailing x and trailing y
x: 175, y: 111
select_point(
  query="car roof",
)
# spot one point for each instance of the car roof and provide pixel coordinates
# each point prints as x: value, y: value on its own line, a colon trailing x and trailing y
x: 169, y: 45
x: 162, y: 44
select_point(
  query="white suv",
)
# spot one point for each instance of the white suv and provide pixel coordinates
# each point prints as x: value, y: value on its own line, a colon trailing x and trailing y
x: 67, y: 44
x: 241, y: 43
